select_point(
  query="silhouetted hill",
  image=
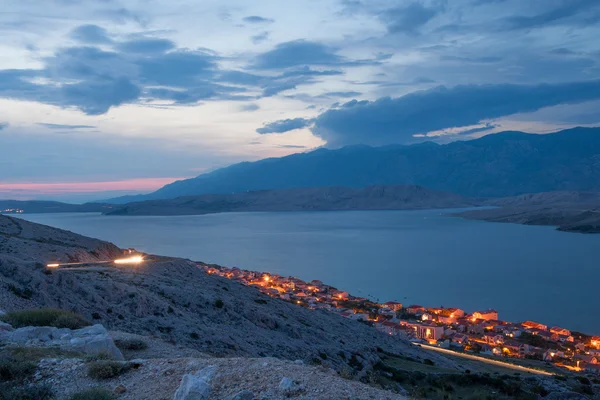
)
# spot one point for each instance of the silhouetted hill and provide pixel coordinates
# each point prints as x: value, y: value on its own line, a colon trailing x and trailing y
x: 390, y: 197
x: 39, y: 206
x: 503, y: 164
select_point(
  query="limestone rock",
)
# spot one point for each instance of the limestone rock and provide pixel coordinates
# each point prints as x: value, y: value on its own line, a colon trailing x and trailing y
x: 4, y: 327
x: 195, y: 386
x: 243, y: 395
x: 286, y: 384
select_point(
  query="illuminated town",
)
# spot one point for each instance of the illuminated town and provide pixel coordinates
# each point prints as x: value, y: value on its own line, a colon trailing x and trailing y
x: 480, y: 332
x: 11, y: 211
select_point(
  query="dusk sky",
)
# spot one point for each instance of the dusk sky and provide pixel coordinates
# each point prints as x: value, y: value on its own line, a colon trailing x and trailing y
x: 100, y: 98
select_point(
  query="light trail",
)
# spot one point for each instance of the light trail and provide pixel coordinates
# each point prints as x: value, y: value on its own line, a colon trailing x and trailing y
x: 119, y: 261
x: 486, y: 360
x: 130, y: 260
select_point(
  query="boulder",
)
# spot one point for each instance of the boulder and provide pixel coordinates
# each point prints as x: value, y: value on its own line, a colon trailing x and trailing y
x: 286, y: 385
x: 243, y: 395
x: 4, y: 327
x: 195, y: 386
x: 120, y: 389
x: 33, y: 333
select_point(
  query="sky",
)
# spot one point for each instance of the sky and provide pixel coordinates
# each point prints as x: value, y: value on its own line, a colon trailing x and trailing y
x: 100, y: 98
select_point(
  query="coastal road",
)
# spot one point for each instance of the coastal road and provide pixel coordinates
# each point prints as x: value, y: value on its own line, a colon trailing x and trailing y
x: 485, y: 360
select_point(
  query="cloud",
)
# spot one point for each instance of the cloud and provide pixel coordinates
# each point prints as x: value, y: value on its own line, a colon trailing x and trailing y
x: 96, y: 97
x: 250, y: 107
x: 340, y: 94
x: 146, y: 45
x: 397, y: 120
x: 407, y: 19
x: 568, y: 12
x: 64, y: 126
x: 255, y: 19
x: 91, y: 34
x: 285, y: 125
x: 301, y: 53
x: 290, y: 146
x: 259, y: 38
x: 3, y: 125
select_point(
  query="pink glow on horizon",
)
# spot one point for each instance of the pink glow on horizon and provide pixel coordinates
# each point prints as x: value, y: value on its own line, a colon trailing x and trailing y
x: 139, y: 184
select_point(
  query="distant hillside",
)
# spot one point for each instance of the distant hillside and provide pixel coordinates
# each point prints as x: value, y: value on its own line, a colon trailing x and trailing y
x: 503, y: 164
x: 38, y: 207
x: 392, y: 197
x: 568, y: 211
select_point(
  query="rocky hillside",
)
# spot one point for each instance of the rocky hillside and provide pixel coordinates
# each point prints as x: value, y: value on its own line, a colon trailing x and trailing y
x: 569, y: 211
x: 176, y: 300
x: 498, y: 165
x: 390, y: 197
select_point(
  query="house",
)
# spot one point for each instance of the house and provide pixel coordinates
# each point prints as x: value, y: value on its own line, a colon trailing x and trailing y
x: 393, y: 305
x: 553, y: 337
x: 426, y: 317
x: 560, y: 331
x: 595, y: 342
x: 388, y: 328
x: 459, y: 338
x: 415, y: 309
x: 426, y: 330
x: 534, y: 325
x: 485, y: 315
x: 587, y: 359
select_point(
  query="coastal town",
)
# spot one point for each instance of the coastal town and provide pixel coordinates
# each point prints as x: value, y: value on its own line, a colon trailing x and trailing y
x: 479, y: 332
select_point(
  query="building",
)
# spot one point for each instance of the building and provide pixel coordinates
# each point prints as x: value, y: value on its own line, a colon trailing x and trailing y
x: 560, y: 331
x: 393, y: 305
x: 415, y: 309
x: 534, y: 325
x: 426, y: 330
x: 487, y: 315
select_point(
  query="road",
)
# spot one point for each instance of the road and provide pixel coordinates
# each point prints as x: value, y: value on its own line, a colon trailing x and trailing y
x: 485, y: 360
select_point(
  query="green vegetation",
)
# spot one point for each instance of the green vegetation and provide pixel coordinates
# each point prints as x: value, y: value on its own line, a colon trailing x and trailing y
x: 45, y: 317
x: 131, y: 344
x: 12, y: 370
x: 106, y: 369
x: 93, y: 394
x: 219, y: 303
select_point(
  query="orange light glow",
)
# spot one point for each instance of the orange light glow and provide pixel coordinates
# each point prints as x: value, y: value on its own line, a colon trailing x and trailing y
x: 53, y: 265
x: 267, y: 278
x: 130, y: 260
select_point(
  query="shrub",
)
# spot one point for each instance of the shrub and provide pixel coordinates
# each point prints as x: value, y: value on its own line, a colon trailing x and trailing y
x: 219, y: 303
x: 96, y: 316
x: 45, y: 317
x: 93, y: 394
x: 33, y: 392
x: 427, y: 361
x: 23, y: 293
x: 106, y: 369
x: 194, y: 336
x: 15, y: 370
x: 131, y: 344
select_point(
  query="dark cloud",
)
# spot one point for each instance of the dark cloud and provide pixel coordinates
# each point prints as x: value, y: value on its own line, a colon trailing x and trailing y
x: 290, y: 146
x: 285, y: 125
x: 63, y: 126
x: 396, y: 120
x: 91, y: 34
x: 96, y: 97
x: 3, y: 125
x: 300, y: 53
x: 146, y: 45
x: 260, y: 37
x: 255, y: 19
x: 569, y: 12
x: 177, y: 68
x: 407, y: 19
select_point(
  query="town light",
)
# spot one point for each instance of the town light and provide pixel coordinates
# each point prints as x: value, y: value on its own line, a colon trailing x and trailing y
x: 130, y: 260
x: 267, y: 278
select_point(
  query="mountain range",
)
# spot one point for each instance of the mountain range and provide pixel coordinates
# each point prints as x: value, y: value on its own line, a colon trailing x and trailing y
x: 498, y: 165
x: 377, y: 197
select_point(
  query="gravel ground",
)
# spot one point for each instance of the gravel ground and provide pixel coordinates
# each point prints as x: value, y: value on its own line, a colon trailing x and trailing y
x: 159, y: 378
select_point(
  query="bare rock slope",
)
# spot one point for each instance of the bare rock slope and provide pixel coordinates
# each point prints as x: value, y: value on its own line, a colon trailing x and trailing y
x: 175, y: 300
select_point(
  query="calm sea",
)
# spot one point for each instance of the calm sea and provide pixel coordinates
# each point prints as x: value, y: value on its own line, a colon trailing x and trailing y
x: 415, y: 257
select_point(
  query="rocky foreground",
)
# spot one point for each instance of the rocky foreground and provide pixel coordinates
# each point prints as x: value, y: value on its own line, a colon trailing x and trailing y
x: 174, y: 301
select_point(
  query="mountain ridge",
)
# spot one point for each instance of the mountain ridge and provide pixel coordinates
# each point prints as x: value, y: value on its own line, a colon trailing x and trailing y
x: 499, y: 165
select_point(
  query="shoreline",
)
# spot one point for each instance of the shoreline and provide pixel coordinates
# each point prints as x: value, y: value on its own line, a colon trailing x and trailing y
x: 451, y: 329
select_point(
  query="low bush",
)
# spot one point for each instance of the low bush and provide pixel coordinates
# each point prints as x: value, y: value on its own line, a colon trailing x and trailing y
x: 32, y: 392
x: 131, y: 344
x: 45, y: 317
x: 106, y: 369
x: 219, y: 303
x: 12, y: 370
x: 93, y: 394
